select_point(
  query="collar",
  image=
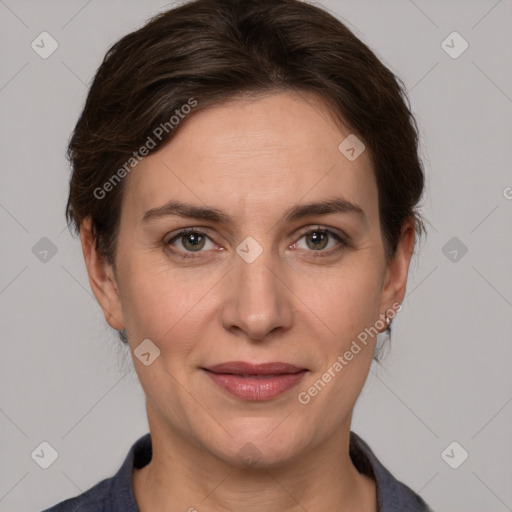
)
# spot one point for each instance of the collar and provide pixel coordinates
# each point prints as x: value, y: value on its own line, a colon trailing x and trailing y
x: 392, y: 495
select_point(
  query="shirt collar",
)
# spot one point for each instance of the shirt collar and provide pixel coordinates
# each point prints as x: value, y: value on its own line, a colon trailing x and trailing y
x: 392, y: 495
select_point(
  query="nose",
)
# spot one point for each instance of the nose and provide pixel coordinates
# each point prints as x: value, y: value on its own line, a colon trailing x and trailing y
x: 257, y: 298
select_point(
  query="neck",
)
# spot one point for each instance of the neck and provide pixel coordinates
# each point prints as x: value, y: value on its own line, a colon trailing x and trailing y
x: 184, y: 477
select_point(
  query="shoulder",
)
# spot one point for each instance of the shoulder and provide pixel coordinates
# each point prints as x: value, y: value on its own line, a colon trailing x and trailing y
x: 114, y: 494
x: 392, y: 495
x: 96, y: 499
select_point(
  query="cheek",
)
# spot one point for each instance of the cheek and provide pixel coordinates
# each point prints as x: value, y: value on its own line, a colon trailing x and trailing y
x: 346, y: 298
x: 163, y: 304
x: 349, y: 308
x: 173, y: 306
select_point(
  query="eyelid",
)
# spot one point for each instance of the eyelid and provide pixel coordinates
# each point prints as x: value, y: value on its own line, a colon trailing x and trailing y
x: 318, y: 227
x: 344, y: 241
x: 183, y: 231
x: 168, y: 242
x: 340, y: 236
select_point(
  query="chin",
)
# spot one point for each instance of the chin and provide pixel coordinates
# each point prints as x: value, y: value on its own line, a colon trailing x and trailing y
x: 260, y: 446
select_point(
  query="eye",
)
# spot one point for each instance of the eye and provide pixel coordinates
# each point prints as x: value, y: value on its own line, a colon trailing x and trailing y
x: 191, y: 241
x: 319, y: 239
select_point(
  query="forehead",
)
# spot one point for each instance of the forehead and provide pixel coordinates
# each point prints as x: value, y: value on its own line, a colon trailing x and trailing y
x: 254, y: 156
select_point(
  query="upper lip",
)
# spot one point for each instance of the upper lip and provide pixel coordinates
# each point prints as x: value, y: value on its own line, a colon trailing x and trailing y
x: 243, y: 368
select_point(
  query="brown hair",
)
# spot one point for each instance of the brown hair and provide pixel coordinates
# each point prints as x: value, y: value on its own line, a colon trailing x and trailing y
x: 208, y: 51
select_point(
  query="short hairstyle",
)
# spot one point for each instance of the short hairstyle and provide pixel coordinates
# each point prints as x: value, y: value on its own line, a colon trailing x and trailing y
x: 208, y: 51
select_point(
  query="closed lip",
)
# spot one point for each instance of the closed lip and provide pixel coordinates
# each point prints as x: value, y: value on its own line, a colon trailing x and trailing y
x: 244, y: 368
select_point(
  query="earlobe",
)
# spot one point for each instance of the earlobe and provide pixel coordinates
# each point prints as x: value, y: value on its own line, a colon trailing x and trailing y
x: 101, y: 277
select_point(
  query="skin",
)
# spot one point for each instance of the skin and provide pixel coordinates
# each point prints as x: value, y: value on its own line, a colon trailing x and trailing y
x: 252, y: 158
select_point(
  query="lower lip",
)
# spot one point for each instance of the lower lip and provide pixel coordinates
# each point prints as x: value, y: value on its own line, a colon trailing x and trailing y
x: 256, y: 387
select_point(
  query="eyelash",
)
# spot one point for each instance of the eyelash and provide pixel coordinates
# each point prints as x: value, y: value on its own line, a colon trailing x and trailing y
x: 343, y: 243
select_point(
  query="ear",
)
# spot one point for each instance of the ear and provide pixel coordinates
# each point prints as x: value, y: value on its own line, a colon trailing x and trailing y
x: 101, y: 277
x: 395, y: 279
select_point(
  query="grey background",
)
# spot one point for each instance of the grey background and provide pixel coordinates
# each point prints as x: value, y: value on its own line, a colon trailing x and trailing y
x: 65, y: 379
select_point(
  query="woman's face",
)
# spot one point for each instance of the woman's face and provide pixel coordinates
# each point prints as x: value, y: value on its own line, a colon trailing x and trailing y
x: 249, y: 284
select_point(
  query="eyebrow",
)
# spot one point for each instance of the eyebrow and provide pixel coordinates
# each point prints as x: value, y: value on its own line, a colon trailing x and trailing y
x: 296, y: 212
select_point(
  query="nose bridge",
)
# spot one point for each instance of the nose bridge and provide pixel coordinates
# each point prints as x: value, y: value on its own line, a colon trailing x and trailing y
x: 257, y: 300
x: 255, y: 277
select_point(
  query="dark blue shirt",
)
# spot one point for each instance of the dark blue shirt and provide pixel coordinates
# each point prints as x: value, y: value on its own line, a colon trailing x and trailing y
x: 115, y: 494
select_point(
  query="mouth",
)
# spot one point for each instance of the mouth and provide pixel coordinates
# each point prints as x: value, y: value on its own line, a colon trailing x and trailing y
x: 255, y: 382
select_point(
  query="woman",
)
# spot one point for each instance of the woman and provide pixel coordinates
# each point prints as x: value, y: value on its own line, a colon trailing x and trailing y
x: 245, y: 185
